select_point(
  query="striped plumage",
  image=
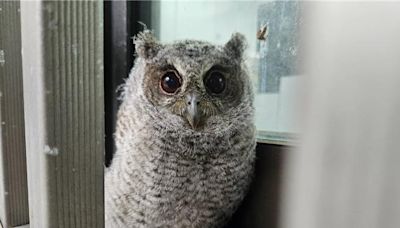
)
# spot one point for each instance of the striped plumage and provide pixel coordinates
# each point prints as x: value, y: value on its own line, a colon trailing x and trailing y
x: 166, y: 173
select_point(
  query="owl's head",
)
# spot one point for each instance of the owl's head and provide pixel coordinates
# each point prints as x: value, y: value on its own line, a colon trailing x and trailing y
x: 193, y: 83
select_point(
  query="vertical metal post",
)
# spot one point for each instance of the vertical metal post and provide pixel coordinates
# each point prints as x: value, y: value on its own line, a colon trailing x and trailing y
x: 62, y: 52
x: 121, y: 24
x: 13, y: 182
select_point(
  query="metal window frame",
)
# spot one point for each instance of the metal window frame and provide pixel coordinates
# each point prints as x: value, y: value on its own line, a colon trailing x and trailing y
x: 13, y: 175
x: 62, y: 55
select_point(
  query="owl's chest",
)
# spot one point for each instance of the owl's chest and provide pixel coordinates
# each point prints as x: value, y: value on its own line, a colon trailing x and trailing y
x: 195, y: 179
x: 195, y: 170
x: 192, y: 193
x: 190, y: 182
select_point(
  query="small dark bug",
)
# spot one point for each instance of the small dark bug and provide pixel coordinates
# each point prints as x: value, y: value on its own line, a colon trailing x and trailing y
x: 262, y: 33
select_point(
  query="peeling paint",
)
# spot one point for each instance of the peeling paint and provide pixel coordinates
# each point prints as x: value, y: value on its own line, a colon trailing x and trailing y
x: 51, y: 151
x: 2, y: 58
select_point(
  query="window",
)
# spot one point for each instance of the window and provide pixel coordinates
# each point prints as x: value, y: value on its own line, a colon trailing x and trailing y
x: 271, y: 62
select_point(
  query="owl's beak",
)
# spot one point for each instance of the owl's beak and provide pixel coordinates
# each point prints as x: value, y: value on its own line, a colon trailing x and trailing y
x: 193, y: 114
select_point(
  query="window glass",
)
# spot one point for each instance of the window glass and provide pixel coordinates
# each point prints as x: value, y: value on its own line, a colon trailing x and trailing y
x: 271, y: 58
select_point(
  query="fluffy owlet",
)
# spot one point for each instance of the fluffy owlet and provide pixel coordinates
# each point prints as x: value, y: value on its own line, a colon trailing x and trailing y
x: 185, y: 136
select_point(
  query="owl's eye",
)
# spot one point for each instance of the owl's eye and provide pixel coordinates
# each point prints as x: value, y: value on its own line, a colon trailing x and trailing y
x: 215, y: 82
x: 170, y: 82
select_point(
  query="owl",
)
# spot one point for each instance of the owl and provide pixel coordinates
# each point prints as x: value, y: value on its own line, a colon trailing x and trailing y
x: 185, y: 136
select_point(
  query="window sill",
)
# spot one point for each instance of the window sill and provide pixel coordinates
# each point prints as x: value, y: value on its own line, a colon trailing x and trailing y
x: 277, y: 138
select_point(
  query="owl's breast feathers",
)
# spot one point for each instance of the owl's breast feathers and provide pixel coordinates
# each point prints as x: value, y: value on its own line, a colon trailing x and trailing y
x: 171, y: 181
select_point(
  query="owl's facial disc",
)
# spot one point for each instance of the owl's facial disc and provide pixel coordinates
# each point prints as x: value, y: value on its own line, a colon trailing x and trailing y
x: 192, y: 113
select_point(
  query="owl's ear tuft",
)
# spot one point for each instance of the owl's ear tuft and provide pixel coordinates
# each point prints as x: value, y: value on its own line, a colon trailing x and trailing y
x: 236, y: 45
x: 146, y: 45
